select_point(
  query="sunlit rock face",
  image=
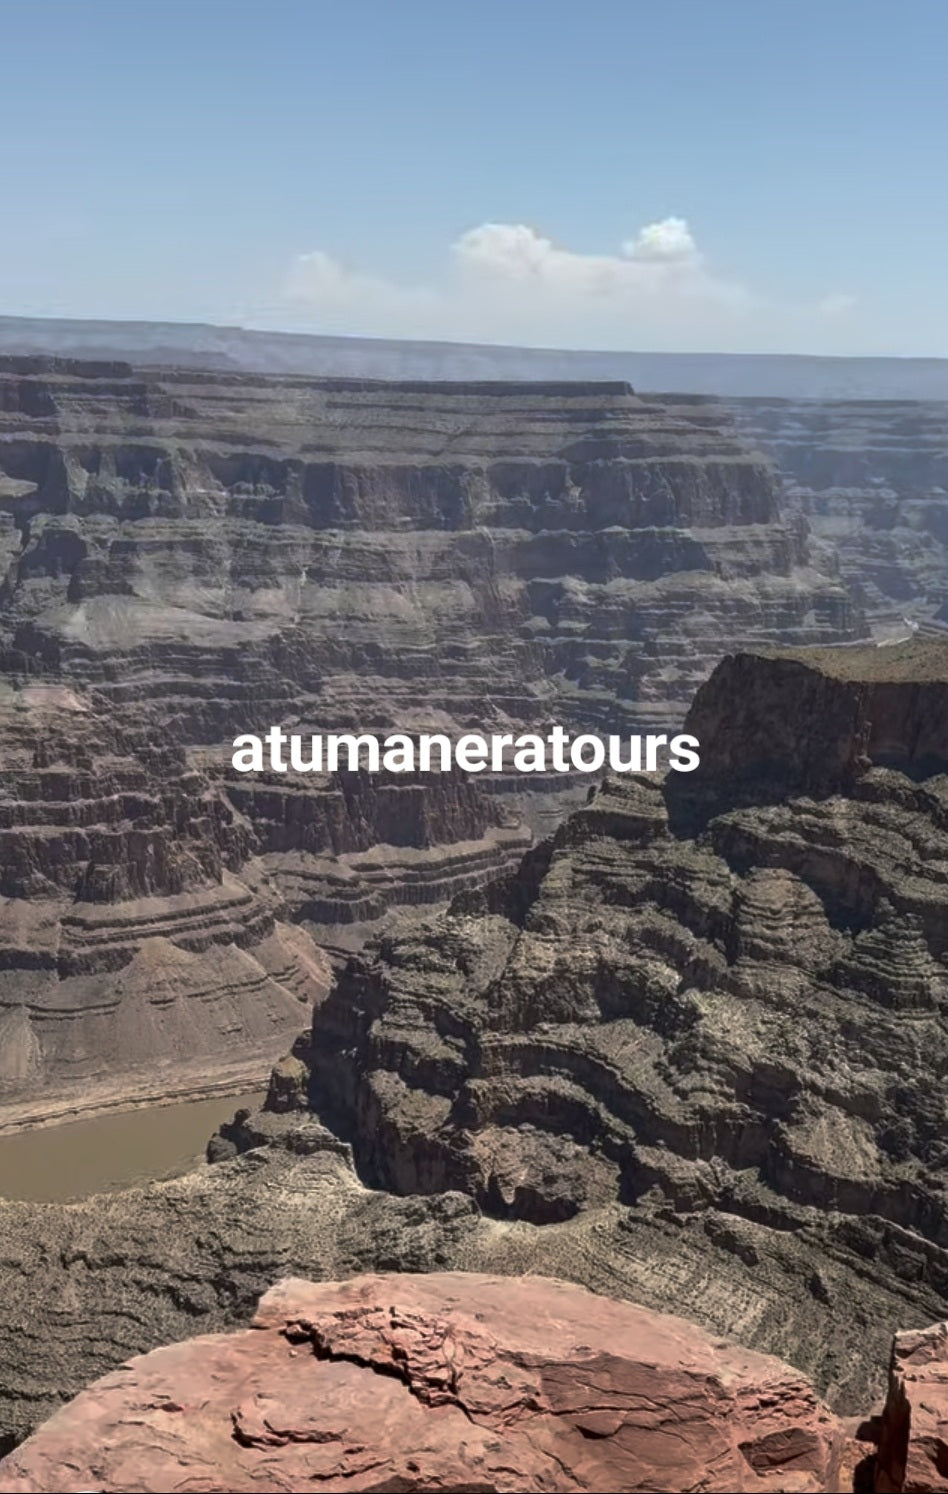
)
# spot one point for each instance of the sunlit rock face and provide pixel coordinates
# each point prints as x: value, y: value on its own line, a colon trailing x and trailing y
x: 690, y: 1053
x: 720, y: 1001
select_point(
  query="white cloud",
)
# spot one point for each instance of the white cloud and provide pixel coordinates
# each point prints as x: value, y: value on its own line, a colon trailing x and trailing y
x: 663, y: 256
x: 317, y: 280
x: 670, y: 239
x: 509, y: 283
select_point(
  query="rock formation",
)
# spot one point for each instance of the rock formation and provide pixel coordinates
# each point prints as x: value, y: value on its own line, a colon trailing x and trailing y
x: 128, y: 939
x: 691, y: 1054
x: 185, y: 556
x: 913, y: 1434
x: 241, y: 550
x: 441, y: 1382
x: 720, y: 1002
x: 871, y: 478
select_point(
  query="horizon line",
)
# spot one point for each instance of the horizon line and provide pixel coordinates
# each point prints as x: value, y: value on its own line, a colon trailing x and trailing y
x: 452, y: 344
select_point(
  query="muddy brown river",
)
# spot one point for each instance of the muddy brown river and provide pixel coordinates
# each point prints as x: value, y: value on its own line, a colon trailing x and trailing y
x: 117, y: 1150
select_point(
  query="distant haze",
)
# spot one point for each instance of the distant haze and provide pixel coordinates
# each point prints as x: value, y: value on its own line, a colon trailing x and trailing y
x: 730, y: 374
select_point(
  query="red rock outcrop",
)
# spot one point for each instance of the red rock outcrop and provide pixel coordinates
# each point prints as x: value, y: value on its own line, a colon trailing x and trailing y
x: 450, y: 1381
x: 913, y: 1447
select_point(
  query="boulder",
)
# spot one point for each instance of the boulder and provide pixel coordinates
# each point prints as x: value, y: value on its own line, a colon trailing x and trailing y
x: 447, y: 1381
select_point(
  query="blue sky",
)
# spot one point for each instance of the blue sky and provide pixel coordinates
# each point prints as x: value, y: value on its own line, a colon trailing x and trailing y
x: 763, y: 175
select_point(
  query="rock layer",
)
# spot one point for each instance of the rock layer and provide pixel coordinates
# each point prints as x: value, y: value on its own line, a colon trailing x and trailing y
x: 442, y: 1382
x: 241, y: 548
x: 135, y: 936
x: 722, y: 1001
x: 871, y: 478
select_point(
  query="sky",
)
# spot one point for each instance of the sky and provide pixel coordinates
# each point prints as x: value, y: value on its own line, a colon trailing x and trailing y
x: 680, y: 175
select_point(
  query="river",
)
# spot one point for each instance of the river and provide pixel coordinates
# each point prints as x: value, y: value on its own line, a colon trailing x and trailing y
x: 115, y: 1150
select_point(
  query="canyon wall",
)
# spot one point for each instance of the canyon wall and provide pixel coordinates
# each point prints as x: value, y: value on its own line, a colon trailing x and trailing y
x: 187, y: 555
x: 871, y: 477
x: 722, y: 1000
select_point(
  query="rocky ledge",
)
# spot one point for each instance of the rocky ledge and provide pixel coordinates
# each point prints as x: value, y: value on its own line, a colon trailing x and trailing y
x: 913, y: 1430
x: 443, y: 1382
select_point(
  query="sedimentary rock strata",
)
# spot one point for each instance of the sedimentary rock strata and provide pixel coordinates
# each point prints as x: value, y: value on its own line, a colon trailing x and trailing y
x: 442, y: 1382
x: 135, y: 938
x: 86, y: 1285
x: 871, y: 477
x: 242, y: 549
x: 185, y: 556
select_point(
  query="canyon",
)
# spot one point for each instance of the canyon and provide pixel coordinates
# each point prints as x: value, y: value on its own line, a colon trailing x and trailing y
x: 189, y: 555
x: 680, y: 1042
x: 689, y: 1054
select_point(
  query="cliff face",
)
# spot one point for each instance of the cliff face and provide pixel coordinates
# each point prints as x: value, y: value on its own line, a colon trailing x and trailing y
x: 188, y: 556
x: 871, y: 477
x: 849, y: 709
x: 913, y: 1441
x: 244, y: 549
